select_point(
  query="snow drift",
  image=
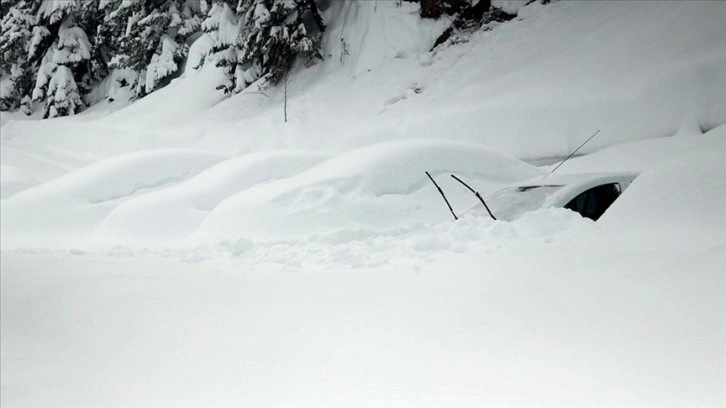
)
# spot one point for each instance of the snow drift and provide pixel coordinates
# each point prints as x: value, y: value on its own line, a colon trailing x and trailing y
x: 586, y: 318
x: 173, y: 213
x: 59, y: 210
x: 380, y: 186
x: 682, y: 197
x: 14, y: 180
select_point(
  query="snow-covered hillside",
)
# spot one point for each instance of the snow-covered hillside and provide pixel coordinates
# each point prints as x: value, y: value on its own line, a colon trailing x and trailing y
x: 194, y: 249
x: 531, y: 87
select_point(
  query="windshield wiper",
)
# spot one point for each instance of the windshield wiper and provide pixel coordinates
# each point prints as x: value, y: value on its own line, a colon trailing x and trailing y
x: 476, y: 193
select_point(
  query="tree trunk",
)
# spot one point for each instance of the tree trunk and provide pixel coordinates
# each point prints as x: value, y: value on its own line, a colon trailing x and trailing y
x: 316, y: 15
x: 285, y: 107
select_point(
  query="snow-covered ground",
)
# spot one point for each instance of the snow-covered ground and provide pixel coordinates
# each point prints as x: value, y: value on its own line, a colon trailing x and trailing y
x: 191, y: 250
x: 547, y: 310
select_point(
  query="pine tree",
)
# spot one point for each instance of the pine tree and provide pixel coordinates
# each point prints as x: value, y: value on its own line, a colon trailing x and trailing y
x: 64, y: 52
x: 90, y: 16
x: 261, y: 40
x: 63, y: 96
x: 149, y: 38
x: 114, y: 16
x: 222, y: 25
x: 16, y: 73
x: 273, y: 36
x: 57, y: 51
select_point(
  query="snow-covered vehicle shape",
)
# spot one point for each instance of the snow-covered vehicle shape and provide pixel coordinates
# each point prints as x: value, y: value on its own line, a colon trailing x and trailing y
x: 589, y: 194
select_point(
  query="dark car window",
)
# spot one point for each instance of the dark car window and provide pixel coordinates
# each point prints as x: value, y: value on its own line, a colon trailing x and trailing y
x: 594, y: 202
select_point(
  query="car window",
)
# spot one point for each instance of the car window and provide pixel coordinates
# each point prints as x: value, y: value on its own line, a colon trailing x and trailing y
x: 594, y: 202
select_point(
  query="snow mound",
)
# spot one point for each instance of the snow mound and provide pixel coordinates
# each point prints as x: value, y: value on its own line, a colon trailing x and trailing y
x: 78, y: 201
x: 175, y: 212
x: 381, y: 186
x: 176, y: 103
x: 682, y: 196
x: 639, y: 155
x: 14, y: 180
x: 38, y: 168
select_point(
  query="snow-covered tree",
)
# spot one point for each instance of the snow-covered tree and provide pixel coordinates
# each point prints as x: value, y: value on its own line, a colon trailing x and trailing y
x: 149, y: 38
x: 90, y: 16
x: 222, y: 26
x: 63, y: 96
x: 57, y: 51
x: 16, y: 73
x: 64, y: 51
x: 260, y: 39
x: 273, y: 35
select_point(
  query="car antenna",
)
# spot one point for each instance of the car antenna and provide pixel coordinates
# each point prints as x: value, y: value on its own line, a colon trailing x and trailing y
x: 442, y: 195
x: 573, y: 153
x: 476, y: 193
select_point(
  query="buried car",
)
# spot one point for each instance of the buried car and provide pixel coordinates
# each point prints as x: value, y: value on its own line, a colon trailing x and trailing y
x: 589, y: 194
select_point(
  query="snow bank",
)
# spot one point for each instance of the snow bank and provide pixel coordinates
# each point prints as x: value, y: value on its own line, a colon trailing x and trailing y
x: 532, y: 90
x: 381, y: 186
x: 34, y: 165
x: 59, y: 210
x: 681, y: 198
x: 14, y: 180
x: 639, y: 155
x: 174, y: 212
x: 363, y: 35
x: 178, y: 102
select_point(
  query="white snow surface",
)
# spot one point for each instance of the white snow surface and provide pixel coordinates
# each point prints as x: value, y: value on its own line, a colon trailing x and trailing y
x: 60, y: 209
x: 14, y: 180
x: 548, y: 310
x: 686, y: 190
x: 175, y: 212
x: 192, y: 249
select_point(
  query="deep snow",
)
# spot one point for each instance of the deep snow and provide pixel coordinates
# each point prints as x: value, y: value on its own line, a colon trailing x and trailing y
x: 189, y: 249
x: 615, y: 313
